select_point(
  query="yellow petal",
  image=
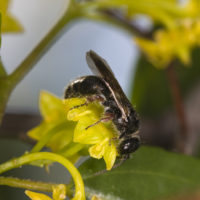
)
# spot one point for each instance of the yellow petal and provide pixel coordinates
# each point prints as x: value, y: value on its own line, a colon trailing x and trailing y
x: 59, y: 192
x: 39, y: 131
x: 59, y: 140
x: 76, y: 114
x: 92, y: 135
x: 110, y: 155
x: 72, y: 102
x: 184, y: 55
x: 37, y: 196
x: 98, y: 150
x: 51, y: 107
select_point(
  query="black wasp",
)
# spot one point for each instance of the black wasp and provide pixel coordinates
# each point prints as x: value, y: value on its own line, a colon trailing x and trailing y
x: 104, y: 87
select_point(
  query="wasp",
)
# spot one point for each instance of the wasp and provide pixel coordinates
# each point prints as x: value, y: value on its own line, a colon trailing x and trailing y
x: 104, y: 87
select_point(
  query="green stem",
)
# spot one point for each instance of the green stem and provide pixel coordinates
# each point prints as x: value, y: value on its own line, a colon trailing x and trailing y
x: 45, y: 139
x: 27, y: 184
x: 13, y: 79
x: 43, y: 46
x: 18, y: 162
x: 5, y: 90
x: 71, y: 149
x: 2, y: 69
x: 105, y: 18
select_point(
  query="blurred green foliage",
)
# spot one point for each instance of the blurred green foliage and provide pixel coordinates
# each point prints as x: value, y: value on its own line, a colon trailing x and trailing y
x: 150, y: 174
x: 150, y: 86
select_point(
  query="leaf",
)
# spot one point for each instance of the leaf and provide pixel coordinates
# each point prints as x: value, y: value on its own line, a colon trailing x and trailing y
x: 9, y: 23
x: 194, y: 195
x: 150, y: 92
x: 151, y: 173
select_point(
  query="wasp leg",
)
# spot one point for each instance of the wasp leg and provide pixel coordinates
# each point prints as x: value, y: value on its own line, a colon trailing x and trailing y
x: 84, y: 104
x: 122, y: 135
x: 104, y: 119
x: 93, y: 98
x: 90, y: 99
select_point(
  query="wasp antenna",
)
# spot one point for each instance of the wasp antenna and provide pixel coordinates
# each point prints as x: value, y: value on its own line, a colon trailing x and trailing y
x: 115, y: 166
x: 100, y: 172
x: 121, y: 161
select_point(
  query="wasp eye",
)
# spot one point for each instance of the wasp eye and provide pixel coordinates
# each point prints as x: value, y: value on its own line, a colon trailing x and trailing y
x: 129, y: 145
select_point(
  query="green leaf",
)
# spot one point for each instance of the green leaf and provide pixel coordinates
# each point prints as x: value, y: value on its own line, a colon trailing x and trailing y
x: 151, y: 93
x: 151, y: 173
x: 9, y: 23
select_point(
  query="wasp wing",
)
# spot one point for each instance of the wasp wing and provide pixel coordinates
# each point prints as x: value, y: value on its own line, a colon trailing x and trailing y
x: 101, y: 68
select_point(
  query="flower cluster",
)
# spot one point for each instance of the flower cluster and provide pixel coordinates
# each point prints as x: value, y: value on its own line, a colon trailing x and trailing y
x: 54, y: 131
x: 59, y: 131
x: 176, y: 40
x: 100, y: 137
x: 173, y: 43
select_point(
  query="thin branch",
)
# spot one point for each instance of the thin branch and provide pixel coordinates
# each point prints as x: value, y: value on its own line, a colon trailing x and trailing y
x: 27, y: 184
x: 29, y: 158
x: 2, y: 69
x: 7, y: 85
x: 119, y: 17
x: 41, y: 48
x: 179, y: 106
x: 115, y: 18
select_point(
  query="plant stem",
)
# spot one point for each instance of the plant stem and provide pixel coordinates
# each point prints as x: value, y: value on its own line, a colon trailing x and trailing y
x: 25, y: 159
x: 42, y: 47
x: 13, y: 79
x: 115, y: 19
x: 179, y: 106
x: 2, y: 69
x: 27, y: 184
x: 118, y: 19
x: 71, y: 149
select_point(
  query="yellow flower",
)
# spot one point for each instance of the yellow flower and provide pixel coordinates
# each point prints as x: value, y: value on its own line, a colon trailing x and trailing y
x: 55, y: 131
x: 59, y: 131
x: 59, y: 193
x: 193, y: 8
x: 100, y: 136
x: 170, y: 44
